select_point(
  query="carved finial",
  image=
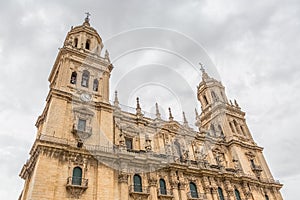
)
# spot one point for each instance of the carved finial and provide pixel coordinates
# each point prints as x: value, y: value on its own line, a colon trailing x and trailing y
x: 198, y: 121
x: 107, y: 55
x: 236, y: 104
x: 87, y: 18
x: 116, y: 101
x: 138, y: 107
x: 185, y: 122
x: 138, y: 103
x: 157, y: 111
x: 170, y: 115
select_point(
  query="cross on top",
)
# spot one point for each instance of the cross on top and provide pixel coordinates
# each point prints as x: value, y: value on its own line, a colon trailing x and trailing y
x: 88, y: 15
x: 202, y: 67
x: 87, y: 19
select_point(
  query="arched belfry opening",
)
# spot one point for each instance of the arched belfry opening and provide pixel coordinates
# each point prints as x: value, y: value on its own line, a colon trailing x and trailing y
x: 87, y: 44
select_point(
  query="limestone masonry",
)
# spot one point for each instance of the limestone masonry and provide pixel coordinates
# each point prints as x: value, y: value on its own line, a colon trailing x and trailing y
x: 88, y: 148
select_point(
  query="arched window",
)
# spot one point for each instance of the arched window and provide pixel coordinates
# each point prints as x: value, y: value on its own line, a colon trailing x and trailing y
x: 205, y: 100
x: 162, y: 186
x: 193, y: 190
x: 95, y: 85
x: 85, y: 78
x: 76, y: 42
x: 137, y: 183
x: 73, y: 78
x: 87, y: 44
x: 237, y: 194
x: 220, y: 192
x: 77, y: 176
x: 231, y: 127
x: 236, y: 126
x: 221, y: 131
x: 243, y: 130
x: 214, y: 96
x: 266, y: 197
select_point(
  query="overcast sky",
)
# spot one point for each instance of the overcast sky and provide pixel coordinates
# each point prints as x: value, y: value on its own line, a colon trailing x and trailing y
x: 251, y: 46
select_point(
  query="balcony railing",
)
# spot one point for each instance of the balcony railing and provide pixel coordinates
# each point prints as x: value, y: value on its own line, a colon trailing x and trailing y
x: 164, y: 192
x: 83, y: 134
x: 77, y: 182
x: 256, y: 168
x: 139, y: 189
x: 196, y: 196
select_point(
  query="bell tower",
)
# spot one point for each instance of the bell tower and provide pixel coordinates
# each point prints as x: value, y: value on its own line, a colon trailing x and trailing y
x: 225, y: 123
x: 219, y: 113
x: 79, y: 88
x: 77, y: 113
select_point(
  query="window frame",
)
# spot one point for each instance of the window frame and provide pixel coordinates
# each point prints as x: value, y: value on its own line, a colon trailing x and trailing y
x: 85, y: 78
x: 220, y: 193
x: 162, y: 187
x: 81, y: 122
x: 137, y: 183
x: 237, y: 194
x: 77, y: 180
x: 95, y: 85
x: 193, y: 190
x: 73, y: 79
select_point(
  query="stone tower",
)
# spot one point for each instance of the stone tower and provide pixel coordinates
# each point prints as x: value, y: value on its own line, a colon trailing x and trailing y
x: 88, y: 148
x: 77, y: 108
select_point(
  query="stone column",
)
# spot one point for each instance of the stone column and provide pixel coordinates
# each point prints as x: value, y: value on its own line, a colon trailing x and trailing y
x: 174, y: 188
x: 230, y: 195
x: 183, y: 192
x: 229, y: 190
x: 153, y: 187
x: 208, y: 194
x: 124, y: 190
x: 215, y: 193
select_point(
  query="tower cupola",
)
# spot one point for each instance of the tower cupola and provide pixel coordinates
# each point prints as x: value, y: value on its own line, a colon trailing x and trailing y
x: 84, y: 38
x: 210, y: 91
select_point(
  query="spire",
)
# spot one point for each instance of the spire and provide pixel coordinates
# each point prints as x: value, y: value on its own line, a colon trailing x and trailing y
x: 116, y: 101
x: 198, y: 121
x: 204, y: 74
x: 170, y: 115
x: 138, y: 107
x: 157, y: 111
x: 185, y: 122
x: 87, y: 19
x: 196, y: 112
x: 107, y: 55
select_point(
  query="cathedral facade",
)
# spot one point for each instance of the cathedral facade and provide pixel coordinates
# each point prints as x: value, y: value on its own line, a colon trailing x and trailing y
x: 89, y: 148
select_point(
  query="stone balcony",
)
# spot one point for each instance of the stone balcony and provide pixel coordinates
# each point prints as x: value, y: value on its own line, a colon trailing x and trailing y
x: 82, y: 133
x: 164, y: 194
x: 76, y: 186
x: 198, y: 196
x: 139, y: 192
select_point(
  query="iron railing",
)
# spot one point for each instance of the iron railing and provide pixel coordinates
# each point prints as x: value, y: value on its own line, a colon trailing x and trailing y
x: 77, y: 181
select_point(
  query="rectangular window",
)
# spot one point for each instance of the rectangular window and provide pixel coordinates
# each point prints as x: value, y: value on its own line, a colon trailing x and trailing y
x: 128, y: 142
x: 81, y: 124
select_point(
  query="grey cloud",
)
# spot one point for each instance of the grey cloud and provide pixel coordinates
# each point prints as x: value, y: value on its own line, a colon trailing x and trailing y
x: 254, y: 45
